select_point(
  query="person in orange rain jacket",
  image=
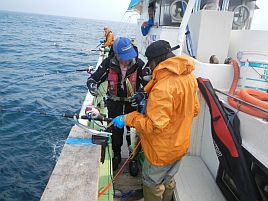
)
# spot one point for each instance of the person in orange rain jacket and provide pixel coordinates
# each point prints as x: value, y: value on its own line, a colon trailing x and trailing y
x: 166, y: 125
x: 109, y: 37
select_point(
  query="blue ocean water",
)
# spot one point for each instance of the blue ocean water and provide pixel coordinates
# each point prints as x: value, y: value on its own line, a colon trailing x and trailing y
x: 33, y: 45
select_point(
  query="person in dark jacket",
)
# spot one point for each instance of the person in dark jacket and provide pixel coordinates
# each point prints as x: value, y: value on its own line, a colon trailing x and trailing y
x: 119, y: 68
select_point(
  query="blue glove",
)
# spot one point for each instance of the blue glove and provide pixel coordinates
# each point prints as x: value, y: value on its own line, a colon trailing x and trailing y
x: 142, y: 106
x: 137, y: 98
x: 119, y: 121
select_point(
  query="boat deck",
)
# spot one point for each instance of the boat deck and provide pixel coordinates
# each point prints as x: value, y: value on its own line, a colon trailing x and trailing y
x: 76, y: 174
x: 195, y: 182
x: 128, y: 187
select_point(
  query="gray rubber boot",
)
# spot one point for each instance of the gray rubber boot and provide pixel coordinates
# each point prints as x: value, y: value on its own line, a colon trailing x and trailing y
x: 169, y: 190
x: 153, y: 193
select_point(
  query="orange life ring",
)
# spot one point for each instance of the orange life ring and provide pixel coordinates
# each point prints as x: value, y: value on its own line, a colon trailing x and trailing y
x: 252, y: 96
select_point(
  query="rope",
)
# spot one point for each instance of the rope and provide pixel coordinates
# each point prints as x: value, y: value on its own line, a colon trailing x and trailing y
x: 125, y: 195
x: 118, y: 172
x: 242, y: 101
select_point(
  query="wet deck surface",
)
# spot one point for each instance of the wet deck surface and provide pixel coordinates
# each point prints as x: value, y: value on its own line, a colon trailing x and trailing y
x: 129, y: 187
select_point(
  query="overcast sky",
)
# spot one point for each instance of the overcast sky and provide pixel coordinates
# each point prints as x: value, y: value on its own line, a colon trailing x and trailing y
x: 101, y: 9
x: 93, y: 9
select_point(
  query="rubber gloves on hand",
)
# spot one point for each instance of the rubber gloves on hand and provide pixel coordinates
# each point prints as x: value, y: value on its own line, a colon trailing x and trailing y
x: 119, y: 121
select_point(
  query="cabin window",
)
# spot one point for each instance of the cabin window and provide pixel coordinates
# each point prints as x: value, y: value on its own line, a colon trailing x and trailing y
x: 171, y: 12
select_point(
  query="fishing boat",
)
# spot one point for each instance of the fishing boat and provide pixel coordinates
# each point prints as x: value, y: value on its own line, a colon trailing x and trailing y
x: 218, y: 165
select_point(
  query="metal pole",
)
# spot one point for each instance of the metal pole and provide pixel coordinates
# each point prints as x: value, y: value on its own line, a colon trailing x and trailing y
x: 184, y: 23
x: 242, y: 101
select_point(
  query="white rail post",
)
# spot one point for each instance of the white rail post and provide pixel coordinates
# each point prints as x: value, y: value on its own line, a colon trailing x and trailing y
x: 184, y: 23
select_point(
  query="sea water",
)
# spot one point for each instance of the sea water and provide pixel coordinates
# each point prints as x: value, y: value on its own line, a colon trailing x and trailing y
x: 33, y: 48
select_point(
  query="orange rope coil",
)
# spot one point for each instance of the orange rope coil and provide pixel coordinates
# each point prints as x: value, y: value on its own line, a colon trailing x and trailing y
x: 255, y: 97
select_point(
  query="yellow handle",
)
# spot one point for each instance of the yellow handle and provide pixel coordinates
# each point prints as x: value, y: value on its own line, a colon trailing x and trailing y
x: 130, y: 88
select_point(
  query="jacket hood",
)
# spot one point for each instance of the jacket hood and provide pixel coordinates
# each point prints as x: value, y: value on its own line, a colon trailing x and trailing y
x: 180, y: 65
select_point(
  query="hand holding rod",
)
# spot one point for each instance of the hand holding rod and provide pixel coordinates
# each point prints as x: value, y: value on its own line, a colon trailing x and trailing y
x: 99, y: 118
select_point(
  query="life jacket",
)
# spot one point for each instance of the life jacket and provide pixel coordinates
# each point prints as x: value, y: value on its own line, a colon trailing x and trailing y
x: 106, y: 37
x: 113, y: 82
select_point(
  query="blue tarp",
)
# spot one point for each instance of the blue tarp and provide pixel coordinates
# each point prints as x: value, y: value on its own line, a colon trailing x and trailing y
x: 133, y: 3
x: 79, y: 141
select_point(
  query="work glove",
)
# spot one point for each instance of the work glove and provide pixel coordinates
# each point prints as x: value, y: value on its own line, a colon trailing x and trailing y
x: 142, y: 106
x: 137, y: 98
x: 119, y: 121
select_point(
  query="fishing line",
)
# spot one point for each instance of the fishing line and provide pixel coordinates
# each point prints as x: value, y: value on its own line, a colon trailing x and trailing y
x: 37, y: 113
x: 53, y: 73
x: 89, y: 69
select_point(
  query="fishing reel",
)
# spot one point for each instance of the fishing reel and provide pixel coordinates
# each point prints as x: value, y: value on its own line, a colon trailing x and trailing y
x: 90, y: 70
x: 92, y: 112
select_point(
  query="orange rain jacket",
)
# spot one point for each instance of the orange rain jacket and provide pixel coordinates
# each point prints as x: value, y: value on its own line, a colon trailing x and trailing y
x: 172, y: 103
x: 109, y: 39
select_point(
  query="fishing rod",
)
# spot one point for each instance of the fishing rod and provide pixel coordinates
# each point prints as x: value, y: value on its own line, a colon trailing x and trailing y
x: 242, y: 101
x: 101, y: 42
x: 95, y: 50
x: 91, y: 116
x: 97, y: 117
x: 99, y: 49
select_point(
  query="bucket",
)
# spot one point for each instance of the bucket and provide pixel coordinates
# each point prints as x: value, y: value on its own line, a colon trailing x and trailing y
x: 254, y: 75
